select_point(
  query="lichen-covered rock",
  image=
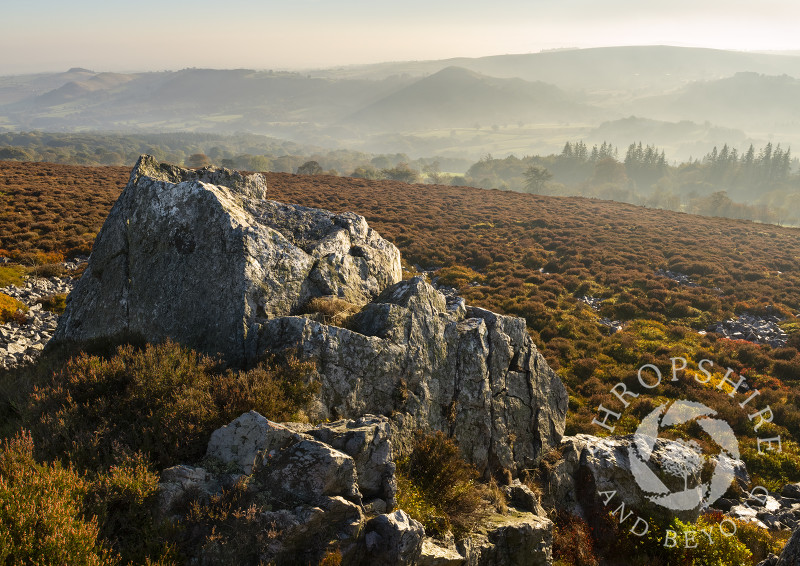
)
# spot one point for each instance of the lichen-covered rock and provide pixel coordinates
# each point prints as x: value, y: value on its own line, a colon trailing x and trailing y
x: 394, y: 539
x: 308, y: 470
x: 202, y: 258
x: 367, y: 441
x: 516, y: 539
x: 468, y: 372
x: 248, y: 440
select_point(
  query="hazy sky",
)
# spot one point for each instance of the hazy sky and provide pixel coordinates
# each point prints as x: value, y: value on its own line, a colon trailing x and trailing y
x: 105, y: 35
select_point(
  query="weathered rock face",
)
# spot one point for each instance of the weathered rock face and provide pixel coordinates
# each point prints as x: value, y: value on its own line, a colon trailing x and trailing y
x: 394, y: 539
x: 202, y: 258
x: 790, y: 556
x: 469, y: 372
x: 516, y: 539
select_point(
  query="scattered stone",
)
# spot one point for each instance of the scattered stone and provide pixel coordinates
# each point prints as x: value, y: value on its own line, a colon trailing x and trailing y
x: 613, y: 325
x: 23, y: 343
x: 593, y: 302
x: 752, y: 328
x: 791, y: 491
x: 681, y: 278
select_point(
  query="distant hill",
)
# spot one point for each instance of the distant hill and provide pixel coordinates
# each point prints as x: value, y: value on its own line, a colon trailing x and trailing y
x: 645, y: 68
x: 745, y: 100
x: 457, y: 97
x: 539, y: 100
x: 189, y: 99
x: 77, y: 89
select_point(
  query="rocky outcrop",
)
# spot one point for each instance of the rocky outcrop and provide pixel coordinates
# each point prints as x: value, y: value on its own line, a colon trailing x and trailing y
x: 306, y: 493
x: 469, y: 372
x: 201, y: 257
x: 352, y: 459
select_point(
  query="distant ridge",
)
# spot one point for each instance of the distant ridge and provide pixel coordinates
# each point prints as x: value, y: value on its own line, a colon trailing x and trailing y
x: 652, y: 66
x: 458, y: 97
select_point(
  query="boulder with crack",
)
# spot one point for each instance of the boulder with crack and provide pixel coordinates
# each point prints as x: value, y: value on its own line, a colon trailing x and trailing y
x: 203, y: 258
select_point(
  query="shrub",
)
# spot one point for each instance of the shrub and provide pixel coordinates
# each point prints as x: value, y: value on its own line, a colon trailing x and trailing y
x: 438, y: 488
x: 721, y: 550
x: 47, y: 270
x: 9, y: 307
x: 54, y: 303
x: 164, y: 400
x: 124, y: 501
x: 40, y: 518
x: 573, y: 541
x: 457, y: 276
x: 11, y: 275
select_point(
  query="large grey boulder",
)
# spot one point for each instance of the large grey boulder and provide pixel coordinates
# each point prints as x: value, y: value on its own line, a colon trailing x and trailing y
x: 471, y: 373
x: 594, y: 475
x: 201, y: 257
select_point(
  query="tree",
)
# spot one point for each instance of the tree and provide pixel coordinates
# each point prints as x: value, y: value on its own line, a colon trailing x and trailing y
x: 366, y: 172
x: 401, y: 173
x: 433, y: 173
x: 535, y: 179
x: 310, y: 168
x: 197, y: 160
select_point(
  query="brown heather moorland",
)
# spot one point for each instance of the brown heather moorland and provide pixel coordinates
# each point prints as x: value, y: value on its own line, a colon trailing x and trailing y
x: 535, y: 257
x: 532, y: 256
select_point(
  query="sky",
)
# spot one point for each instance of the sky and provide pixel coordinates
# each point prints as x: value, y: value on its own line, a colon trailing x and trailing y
x: 53, y: 35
